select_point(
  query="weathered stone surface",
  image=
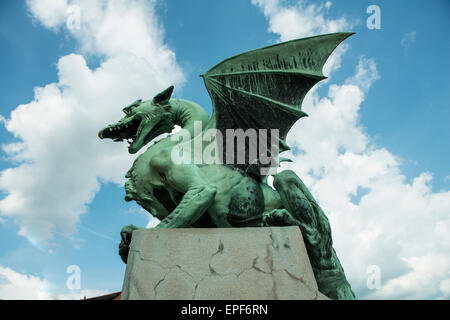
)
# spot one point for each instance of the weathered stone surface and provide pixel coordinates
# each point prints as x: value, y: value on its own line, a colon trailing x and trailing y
x: 219, y: 263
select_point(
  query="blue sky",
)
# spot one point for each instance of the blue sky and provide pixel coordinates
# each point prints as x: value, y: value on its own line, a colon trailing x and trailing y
x: 395, y: 79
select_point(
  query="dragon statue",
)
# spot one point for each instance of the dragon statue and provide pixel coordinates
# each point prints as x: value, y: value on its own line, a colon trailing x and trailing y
x: 259, y: 90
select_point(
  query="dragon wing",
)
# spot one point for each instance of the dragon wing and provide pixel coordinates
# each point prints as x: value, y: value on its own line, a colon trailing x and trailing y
x: 264, y: 89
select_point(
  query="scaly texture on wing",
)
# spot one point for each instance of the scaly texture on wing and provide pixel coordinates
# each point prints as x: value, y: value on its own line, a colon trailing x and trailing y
x: 264, y: 89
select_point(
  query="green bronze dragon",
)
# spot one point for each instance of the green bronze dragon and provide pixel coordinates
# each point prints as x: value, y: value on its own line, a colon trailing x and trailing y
x: 262, y: 90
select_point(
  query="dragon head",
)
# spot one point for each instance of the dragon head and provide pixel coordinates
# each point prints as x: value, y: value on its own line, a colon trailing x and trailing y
x: 143, y: 122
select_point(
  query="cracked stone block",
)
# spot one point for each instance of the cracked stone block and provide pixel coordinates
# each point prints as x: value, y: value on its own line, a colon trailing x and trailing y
x: 219, y: 264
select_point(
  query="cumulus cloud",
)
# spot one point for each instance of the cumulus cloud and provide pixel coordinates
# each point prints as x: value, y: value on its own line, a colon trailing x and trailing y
x: 59, y: 161
x: 49, y: 13
x: 378, y: 217
x: 305, y: 20
x: 14, y: 285
x: 396, y: 225
x: 18, y: 286
x: 366, y: 74
x: 300, y: 20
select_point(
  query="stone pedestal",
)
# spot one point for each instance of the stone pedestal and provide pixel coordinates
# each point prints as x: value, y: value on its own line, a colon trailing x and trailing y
x: 219, y: 264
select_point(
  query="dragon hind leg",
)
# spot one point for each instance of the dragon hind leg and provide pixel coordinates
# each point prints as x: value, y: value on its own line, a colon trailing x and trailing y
x: 316, y: 232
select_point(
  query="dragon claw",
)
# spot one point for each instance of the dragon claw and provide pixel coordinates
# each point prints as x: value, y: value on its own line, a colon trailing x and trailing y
x: 124, y: 245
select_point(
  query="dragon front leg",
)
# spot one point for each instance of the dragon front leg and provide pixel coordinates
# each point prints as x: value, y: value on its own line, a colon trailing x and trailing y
x: 125, y: 235
x: 194, y: 204
x: 316, y: 232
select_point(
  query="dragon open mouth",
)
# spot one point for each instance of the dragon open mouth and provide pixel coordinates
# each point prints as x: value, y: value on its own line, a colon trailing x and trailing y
x: 137, y: 130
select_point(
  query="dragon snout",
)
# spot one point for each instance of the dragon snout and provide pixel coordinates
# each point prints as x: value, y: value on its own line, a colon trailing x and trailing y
x: 100, y: 134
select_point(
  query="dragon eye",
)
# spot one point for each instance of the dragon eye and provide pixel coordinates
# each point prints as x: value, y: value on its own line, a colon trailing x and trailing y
x: 128, y: 108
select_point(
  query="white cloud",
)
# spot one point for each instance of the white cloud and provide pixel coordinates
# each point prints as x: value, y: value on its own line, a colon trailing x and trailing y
x: 444, y: 287
x: 14, y: 285
x: 18, y: 286
x: 304, y: 20
x: 153, y: 222
x: 49, y: 13
x: 60, y: 160
x: 408, y: 39
x: 397, y: 225
x: 366, y: 74
x: 423, y: 281
x: 300, y: 20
